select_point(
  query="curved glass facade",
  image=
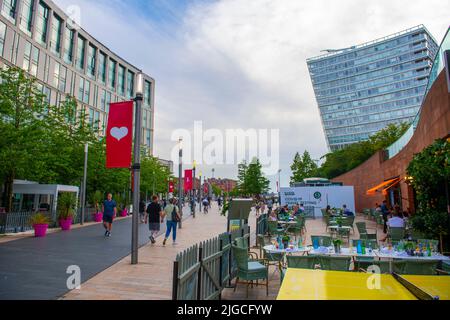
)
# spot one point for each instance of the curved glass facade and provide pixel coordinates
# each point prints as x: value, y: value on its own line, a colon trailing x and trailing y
x: 438, y: 66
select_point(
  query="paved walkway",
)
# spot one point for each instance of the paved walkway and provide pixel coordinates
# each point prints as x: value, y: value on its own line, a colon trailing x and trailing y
x: 35, y: 268
x: 151, y: 279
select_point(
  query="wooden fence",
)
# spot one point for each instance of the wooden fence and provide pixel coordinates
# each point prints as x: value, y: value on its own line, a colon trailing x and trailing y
x: 202, y: 271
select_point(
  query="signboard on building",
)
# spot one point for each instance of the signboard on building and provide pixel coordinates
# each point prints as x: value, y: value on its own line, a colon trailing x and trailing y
x: 319, y: 197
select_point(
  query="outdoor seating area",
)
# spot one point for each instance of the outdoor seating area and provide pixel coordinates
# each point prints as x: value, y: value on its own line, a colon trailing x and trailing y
x: 295, y: 243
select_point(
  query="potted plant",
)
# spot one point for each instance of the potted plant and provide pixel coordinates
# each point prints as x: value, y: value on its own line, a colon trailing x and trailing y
x: 97, y: 199
x: 286, y: 240
x: 337, y: 245
x: 66, y: 209
x: 339, y: 221
x: 40, y: 224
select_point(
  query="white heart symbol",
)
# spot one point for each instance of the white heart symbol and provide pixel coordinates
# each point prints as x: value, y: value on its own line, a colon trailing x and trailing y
x: 119, y: 133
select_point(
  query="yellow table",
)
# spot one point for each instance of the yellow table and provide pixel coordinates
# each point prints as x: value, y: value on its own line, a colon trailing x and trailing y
x: 433, y: 285
x: 304, y: 284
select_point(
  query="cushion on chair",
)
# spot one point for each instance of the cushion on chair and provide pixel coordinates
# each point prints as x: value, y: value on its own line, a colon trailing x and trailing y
x: 255, y: 266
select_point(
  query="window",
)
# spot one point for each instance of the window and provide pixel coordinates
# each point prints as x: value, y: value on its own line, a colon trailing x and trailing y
x: 96, y: 124
x: 55, y: 42
x: 144, y: 118
x: 34, y: 61
x: 27, y: 57
x: 102, y: 67
x: 112, y: 74
x: 68, y: 45
x: 9, y: 9
x: 130, y: 84
x: 2, y: 37
x: 87, y: 91
x: 147, y: 93
x: 103, y: 100
x: 48, y: 94
x: 80, y: 53
x: 108, y: 100
x: 121, y: 80
x: 56, y: 75
x: 81, y: 89
x: 62, y: 78
x: 91, y: 117
x: 41, y: 23
x: 148, y: 138
x: 96, y: 96
x: 26, y: 16
x: 92, y: 53
x: 60, y: 75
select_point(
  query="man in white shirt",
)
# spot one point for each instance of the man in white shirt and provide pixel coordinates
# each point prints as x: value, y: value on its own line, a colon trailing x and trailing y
x: 396, y: 221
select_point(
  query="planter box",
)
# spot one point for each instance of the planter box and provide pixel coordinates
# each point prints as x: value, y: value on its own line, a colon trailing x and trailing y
x: 98, y: 217
x: 40, y: 230
x: 66, y: 224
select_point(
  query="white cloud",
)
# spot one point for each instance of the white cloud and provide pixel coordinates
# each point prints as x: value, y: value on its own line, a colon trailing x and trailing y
x: 242, y: 64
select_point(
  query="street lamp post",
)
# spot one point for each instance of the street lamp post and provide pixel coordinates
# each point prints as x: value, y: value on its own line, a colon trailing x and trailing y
x: 279, y: 187
x: 153, y: 182
x: 137, y: 168
x: 180, y: 177
x: 83, y: 193
x: 200, y: 192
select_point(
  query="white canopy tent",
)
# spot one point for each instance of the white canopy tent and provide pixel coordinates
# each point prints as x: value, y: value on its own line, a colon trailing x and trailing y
x: 36, y: 189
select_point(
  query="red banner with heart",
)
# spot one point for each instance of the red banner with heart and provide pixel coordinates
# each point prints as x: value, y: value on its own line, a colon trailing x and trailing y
x: 119, y: 135
x: 187, y: 180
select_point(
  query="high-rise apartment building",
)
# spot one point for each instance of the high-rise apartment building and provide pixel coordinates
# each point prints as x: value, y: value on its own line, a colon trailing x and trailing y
x: 362, y: 89
x: 39, y: 37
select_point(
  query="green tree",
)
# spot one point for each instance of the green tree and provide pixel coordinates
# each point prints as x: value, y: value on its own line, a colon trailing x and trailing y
x: 303, y: 167
x: 341, y: 161
x: 21, y: 126
x: 255, y: 182
x: 153, y: 174
x: 242, y: 172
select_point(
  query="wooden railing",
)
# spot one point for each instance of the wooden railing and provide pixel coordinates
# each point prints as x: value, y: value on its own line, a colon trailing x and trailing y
x: 202, y: 271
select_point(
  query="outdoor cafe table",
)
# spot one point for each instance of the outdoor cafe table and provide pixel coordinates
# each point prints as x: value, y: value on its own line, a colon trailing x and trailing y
x: 435, y: 286
x: 305, y: 284
x: 345, y: 252
x: 391, y: 255
x: 336, y: 228
x: 272, y: 249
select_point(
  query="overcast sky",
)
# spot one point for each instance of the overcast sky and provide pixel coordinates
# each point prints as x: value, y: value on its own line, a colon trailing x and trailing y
x: 242, y: 63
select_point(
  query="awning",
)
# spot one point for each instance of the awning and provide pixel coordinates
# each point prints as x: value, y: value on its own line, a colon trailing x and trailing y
x: 383, y: 186
x: 396, y: 182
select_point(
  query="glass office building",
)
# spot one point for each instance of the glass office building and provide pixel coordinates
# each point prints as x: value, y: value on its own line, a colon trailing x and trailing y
x: 362, y: 89
x: 39, y: 37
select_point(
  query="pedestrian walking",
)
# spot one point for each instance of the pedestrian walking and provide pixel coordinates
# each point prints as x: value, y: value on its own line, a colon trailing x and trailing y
x: 109, y: 209
x: 155, y: 218
x: 172, y: 215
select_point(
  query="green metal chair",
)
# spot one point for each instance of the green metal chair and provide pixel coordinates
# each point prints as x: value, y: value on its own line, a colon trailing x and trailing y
x: 301, y: 262
x: 421, y: 267
x: 325, y: 241
x: 362, y: 230
x: 349, y: 222
x: 366, y: 213
x: 396, y: 234
x: 273, y: 228
x: 329, y: 221
x: 243, y: 243
x: 335, y: 263
x: 250, y: 270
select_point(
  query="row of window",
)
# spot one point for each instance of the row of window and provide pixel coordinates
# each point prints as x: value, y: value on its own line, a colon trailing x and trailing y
x: 410, y: 56
x: 353, y: 54
x: 394, y: 77
x: 412, y: 47
x: 393, y: 114
x: 383, y: 107
x: 401, y: 85
x: 380, y: 73
x: 364, y: 128
x: 107, y: 68
x: 417, y: 91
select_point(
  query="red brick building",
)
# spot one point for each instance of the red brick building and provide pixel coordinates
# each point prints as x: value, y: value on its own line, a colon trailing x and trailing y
x: 387, y: 179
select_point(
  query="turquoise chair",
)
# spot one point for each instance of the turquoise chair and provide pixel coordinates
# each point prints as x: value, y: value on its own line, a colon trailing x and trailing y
x: 362, y: 230
x: 301, y: 262
x: 250, y: 270
x: 396, y: 234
